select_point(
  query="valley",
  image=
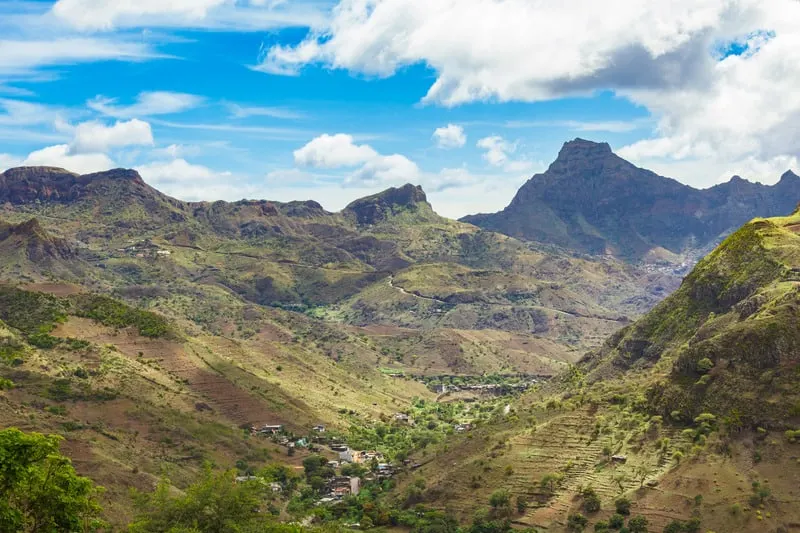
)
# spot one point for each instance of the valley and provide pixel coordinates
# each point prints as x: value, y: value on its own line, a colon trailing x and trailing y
x: 492, y: 382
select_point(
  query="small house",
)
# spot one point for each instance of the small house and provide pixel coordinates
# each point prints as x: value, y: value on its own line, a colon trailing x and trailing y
x: 620, y: 459
x: 319, y: 428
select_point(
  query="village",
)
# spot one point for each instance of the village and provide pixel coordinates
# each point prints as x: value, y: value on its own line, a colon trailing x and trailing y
x: 347, y: 469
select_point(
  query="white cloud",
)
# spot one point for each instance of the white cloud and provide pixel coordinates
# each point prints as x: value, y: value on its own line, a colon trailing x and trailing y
x: 513, y: 49
x: 9, y: 161
x: 497, y: 150
x: 498, y: 154
x: 333, y: 151
x: 162, y: 173
x: 147, y: 104
x: 23, y: 57
x: 22, y: 113
x: 745, y: 120
x: 713, y: 112
x: 385, y: 170
x: 96, y: 137
x: 61, y: 156
x: 450, y: 136
x: 99, y: 15
x: 105, y: 14
x: 239, y: 111
x: 611, y: 126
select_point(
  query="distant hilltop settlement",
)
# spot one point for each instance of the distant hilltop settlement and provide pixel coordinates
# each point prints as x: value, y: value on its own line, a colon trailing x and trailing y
x: 142, y: 249
x: 342, y: 483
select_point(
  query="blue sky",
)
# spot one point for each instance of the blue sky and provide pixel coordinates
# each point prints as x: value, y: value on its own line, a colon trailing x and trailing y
x: 225, y: 99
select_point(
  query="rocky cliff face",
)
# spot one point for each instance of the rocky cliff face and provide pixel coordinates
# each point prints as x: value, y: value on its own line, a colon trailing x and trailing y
x: 593, y: 201
x: 378, y: 207
x: 34, y: 242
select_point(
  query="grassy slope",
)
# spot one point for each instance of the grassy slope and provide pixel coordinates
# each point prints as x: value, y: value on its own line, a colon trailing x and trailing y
x: 133, y: 407
x: 640, y: 396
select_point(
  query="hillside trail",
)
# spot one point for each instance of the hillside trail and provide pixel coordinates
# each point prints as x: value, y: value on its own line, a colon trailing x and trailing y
x: 414, y: 294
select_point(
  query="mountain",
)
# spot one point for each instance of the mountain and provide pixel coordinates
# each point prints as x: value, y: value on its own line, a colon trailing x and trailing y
x: 691, y: 413
x: 148, y: 331
x: 387, y: 259
x: 592, y: 201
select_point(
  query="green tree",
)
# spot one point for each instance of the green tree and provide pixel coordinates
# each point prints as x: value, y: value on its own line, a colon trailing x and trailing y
x: 215, y: 504
x: 576, y: 522
x: 638, y: 524
x: 39, y: 489
x: 550, y: 482
x: 500, y: 498
x: 591, y: 501
x: 623, y: 506
x: 616, y: 521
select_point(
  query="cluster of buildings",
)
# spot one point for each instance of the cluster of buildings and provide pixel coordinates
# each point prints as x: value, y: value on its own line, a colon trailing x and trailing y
x: 485, y: 388
x: 143, y: 249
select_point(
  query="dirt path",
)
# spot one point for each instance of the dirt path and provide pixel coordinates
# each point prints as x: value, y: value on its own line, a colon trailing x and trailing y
x: 414, y: 294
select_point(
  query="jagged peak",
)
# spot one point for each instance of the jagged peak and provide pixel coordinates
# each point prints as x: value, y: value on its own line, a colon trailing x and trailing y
x: 789, y: 175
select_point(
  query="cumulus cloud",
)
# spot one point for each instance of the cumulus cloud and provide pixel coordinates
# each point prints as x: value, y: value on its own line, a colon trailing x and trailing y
x: 97, y: 137
x: 177, y: 171
x: 147, y: 104
x: 450, y: 136
x: 339, y: 150
x: 718, y: 76
x: 385, y: 170
x: 333, y: 151
x: 61, y: 156
x: 497, y: 150
x: 482, y: 49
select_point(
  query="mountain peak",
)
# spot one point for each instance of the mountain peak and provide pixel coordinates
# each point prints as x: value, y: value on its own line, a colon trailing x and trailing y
x: 377, y: 207
x: 789, y: 176
x: 583, y: 147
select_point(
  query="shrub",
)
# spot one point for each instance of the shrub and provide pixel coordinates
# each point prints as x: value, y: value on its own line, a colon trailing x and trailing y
x: 500, y: 498
x: 576, y: 522
x: 638, y: 524
x: 705, y: 365
x: 44, y: 341
x: 616, y: 521
x: 623, y: 506
x: 591, y: 501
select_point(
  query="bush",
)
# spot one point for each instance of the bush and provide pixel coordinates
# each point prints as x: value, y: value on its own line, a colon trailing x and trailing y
x: 500, y: 498
x: 616, y: 521
x: 601, y: 526
x: 622, y: 506
x: 113, y: 313
x: 591, y: 501
x: 705, y: 365
x: 44, y: 341
x: 638, y: 524
x: 576, y: 522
